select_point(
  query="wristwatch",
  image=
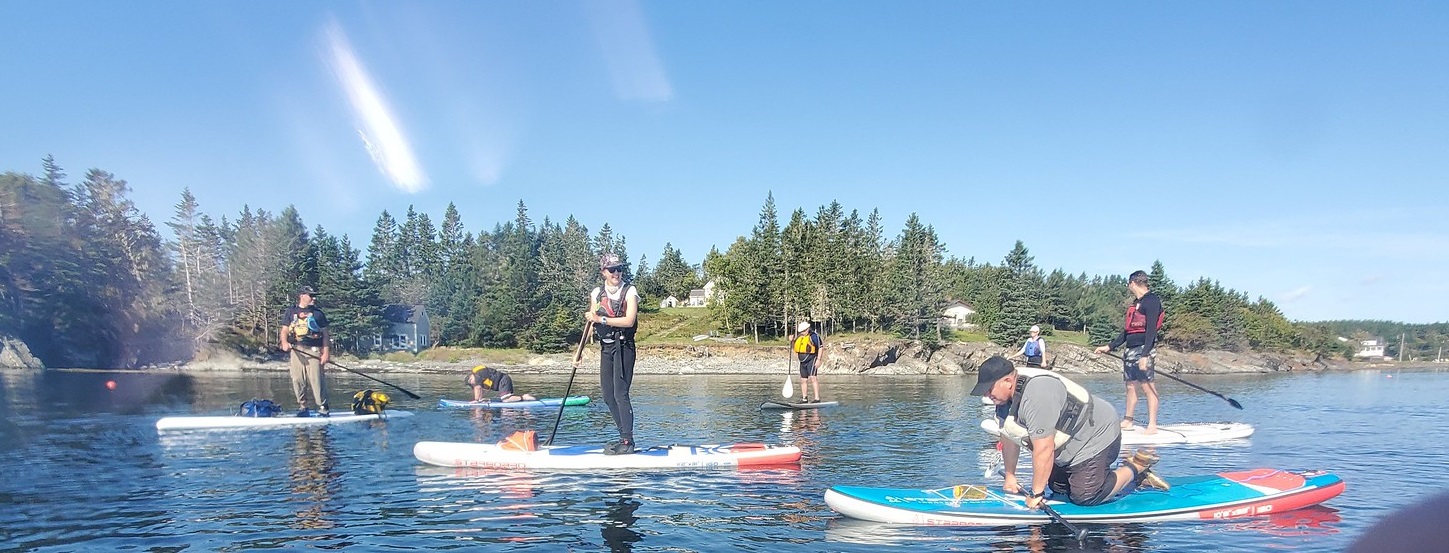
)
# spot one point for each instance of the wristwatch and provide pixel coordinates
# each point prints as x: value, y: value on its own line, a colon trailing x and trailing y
x: 604, y: 320
x: 1030, y: 494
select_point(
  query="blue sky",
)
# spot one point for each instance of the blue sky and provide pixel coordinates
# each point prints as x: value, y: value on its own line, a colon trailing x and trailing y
x: 1293, y: 150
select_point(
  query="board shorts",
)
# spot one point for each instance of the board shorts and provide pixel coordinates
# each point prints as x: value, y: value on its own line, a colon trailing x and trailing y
x: 1131, y: 372
x: 1089, y: 482
x: 807, y: 367
x: 1033, y: 361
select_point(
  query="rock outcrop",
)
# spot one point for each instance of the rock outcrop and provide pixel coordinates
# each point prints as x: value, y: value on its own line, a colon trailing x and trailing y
x: 14, y: 354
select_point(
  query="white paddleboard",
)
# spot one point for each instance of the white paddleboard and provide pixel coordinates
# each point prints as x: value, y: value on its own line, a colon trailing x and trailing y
x: 1167, y: 434
x: 584, y: 457
x: 284, y: 421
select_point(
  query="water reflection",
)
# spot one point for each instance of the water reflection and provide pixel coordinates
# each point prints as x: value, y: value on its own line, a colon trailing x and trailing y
x: 619, y: 520
x: 313, y: 477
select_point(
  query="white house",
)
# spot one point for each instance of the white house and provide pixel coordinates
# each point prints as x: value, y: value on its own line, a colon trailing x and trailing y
x: 708, y: 292
x: 670, y: 301
x: 1371, y: 348
x: 958, y: 316
x: 696, y: 298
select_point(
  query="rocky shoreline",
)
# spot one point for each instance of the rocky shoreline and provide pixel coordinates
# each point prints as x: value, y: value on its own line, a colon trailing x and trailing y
x: 894, y: 357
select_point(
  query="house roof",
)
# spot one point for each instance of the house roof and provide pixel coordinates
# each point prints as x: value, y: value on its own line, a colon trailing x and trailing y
x: 959, y: 303
x: 696, y: 293
x: 403, y: 313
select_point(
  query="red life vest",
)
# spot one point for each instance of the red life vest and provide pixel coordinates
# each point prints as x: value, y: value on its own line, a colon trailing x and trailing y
x: 1136, y: 322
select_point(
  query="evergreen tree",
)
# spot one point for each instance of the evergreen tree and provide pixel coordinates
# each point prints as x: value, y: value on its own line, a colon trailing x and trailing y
x: 1020, y: 299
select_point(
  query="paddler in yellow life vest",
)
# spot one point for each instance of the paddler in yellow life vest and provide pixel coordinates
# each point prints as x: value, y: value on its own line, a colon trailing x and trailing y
x: 304, y: 336
x: 1073, y: 436
x: 808, y: 346
x: 483, y: 377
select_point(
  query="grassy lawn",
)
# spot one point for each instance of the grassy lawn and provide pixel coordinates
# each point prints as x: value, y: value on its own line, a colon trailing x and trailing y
x: 673, y: 325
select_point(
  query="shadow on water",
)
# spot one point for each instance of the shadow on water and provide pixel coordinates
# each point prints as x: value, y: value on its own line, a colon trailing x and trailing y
x: 619, y: 520
x: 123, y: 392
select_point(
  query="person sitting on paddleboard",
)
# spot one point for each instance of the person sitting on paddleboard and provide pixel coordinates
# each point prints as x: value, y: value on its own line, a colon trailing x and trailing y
x: 1073, y: 436
x: 807, y: 345
x: 1034, y: 350
x: 484, y: 377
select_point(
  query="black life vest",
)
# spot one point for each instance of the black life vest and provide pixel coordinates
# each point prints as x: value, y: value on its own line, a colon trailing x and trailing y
x: 1136, y: 322
x: 1074, y: 416
x: 617, y: 309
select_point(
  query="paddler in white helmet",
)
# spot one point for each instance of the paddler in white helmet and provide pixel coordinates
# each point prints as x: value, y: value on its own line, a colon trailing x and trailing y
x: 1073, y: 436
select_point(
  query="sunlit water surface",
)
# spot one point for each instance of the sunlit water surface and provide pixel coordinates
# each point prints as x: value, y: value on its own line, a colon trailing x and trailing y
x: 82, y: 467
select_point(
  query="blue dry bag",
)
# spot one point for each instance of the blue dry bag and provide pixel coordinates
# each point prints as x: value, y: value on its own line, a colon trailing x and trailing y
x: 260, y: 408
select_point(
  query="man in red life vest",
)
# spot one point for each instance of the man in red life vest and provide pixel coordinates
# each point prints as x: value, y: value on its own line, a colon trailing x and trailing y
x: 1139, y: 334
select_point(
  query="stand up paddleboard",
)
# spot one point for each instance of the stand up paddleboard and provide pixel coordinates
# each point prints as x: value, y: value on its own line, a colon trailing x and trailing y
x: 284, y: 421
x: 1209, y: 497
x: 545, y: 402
x: 1168, y: 434
x: 584, y: 457
x: 811, y: 405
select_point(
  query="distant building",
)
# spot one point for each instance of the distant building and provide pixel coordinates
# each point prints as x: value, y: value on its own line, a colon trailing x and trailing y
x: 670, y: 301
x: 708, y: 292
x: 959, y: 316
x: 696, y: 298
x: 1372, y: 348
x: 405, y: 328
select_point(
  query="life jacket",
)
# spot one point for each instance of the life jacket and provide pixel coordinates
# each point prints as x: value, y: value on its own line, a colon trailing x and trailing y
x: 1136, y: 322
x: 1033, y: 347
x: 614, y: 308
x: 805, y: 344
x: 1078, y: 409
x: 522, y: 440
x: 305, y: 328
x: 369, y: 402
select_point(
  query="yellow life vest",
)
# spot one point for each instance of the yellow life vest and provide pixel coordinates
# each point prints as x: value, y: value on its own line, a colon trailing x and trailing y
x: 804, y: 344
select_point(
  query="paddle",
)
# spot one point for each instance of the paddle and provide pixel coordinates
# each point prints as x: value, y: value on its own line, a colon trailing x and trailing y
x: 788, y: 390
x: 578, y: 358
x: 1231, y: 401
x: 1077, y: 531
x: 358, y: 373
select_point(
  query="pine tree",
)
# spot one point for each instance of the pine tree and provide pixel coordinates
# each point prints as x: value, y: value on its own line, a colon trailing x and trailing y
x: 1020, y: 299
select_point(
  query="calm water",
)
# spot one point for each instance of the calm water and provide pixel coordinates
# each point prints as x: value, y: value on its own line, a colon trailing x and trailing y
x: 82, y: 468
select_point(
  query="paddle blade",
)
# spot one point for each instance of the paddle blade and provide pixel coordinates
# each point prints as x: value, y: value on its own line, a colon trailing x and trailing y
x: 1234, y: 403
x: 788, y: 390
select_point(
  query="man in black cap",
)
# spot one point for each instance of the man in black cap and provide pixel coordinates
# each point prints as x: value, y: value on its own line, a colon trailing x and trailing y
x: 614, y: 310
x: 304, y: 334
x: 1073, y: 436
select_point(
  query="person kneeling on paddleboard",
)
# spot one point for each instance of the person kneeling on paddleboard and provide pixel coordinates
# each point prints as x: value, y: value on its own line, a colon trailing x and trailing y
x: 1073, y: 437
x: 484, y: 377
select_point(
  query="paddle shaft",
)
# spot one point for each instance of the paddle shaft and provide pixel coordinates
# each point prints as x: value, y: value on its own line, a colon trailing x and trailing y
x: 1230, y: 401
x: 1077, y: 531
x: 358, y: 373
x: 578, y: 358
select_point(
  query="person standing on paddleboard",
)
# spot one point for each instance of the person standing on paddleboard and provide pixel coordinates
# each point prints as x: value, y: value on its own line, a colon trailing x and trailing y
x: 614, y: 311
x: 808, y: 346
x: 1034, y: 350
x: 1139, y: 334
x: 483, y: 377
x: 1072, y: 435
x: 304, y: 336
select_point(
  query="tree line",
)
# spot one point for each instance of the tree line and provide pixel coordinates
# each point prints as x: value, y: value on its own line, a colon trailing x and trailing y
x: 87, y: 280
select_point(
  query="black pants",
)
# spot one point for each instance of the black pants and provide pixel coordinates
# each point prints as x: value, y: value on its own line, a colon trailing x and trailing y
x: 616, y: 375
x: 1089, y: 482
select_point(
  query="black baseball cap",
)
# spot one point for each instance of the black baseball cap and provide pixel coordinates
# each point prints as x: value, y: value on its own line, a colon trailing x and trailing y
x: 993, y: 369
x: 306, y: 290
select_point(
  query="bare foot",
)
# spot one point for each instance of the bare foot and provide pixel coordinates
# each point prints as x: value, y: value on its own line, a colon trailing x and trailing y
x: 1126, y: 424
x: 1151, y: 429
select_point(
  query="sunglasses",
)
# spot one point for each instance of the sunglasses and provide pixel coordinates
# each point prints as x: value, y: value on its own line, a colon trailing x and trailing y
x: 614, y: 269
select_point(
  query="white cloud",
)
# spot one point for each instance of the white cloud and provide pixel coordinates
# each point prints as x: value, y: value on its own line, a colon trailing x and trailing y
x: 381, y: 135
x: 1295, y: 294
x: 628, y: 51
